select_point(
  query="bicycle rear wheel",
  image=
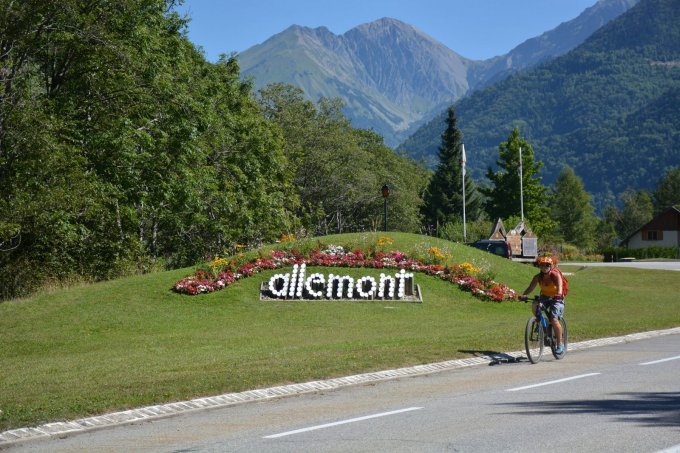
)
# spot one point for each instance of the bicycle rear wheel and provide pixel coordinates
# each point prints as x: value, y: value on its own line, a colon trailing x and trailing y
x: 565, y: 343
x: 533, y: 340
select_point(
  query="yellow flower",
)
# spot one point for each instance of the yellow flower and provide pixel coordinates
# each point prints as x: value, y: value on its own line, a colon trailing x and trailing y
x: 287, y: 237
x: 384, y: 240
x: 218, y: 264
x: 436, y: 254
x: 469, y: 268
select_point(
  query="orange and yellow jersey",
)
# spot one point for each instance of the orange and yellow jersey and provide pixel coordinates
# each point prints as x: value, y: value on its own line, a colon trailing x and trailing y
x: 549, y: 288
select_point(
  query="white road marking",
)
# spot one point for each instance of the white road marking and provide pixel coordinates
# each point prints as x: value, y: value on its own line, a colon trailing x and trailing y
x: 662, y: 360
x: 342, y: 422
x: 673, y: 449
x: 552, y: 382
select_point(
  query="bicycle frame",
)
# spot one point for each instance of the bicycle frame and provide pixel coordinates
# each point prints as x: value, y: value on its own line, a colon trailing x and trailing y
x: 539, y: 333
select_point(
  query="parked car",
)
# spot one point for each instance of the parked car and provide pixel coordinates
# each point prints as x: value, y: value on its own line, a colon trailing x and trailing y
x: 495, y: 246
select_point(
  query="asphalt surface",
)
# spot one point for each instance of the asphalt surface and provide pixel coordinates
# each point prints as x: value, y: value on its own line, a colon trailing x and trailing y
x: 42, y: 438
x: 613, y: 394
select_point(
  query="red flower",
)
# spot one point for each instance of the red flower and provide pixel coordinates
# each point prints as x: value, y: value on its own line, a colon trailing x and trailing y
x: 204, y: 281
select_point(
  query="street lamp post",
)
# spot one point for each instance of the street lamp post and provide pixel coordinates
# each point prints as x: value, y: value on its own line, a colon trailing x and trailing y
x: 385, y: 193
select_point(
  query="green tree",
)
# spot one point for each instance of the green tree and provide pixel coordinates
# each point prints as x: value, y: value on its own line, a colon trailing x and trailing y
x: 503, y: 196
x: 122, y: 148
x: 667, y: 192
x: 338, y: 170
x: 637, y: 210
x: 246, y: 185
x: 443, y: 200
x: 77, y: 85
x: 571, y: 207
x: 605, y: 234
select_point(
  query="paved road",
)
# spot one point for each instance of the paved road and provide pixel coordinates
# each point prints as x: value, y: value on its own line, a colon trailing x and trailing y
x: 658, y: 265
x: 615, y: 398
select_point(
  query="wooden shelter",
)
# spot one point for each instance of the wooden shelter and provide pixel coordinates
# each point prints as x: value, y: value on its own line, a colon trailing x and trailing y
x: 498, y: 231
x: 522, y: 241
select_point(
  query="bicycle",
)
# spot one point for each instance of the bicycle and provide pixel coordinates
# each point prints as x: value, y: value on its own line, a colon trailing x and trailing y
x: 539, y: 333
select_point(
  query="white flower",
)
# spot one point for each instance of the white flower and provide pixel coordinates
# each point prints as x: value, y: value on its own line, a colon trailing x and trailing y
x: 386, y: 279
x: 334, y: 250
x: 291, y: 289
x: 329, y: 286
x: 301, y: 279
x: 350, y: 286
x: 360, y: 286
x: 273, y: 282
x: 313, y: 280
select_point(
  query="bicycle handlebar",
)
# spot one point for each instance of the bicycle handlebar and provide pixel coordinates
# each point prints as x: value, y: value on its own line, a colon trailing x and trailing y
x: 527, y: 298
x: 538, y: 298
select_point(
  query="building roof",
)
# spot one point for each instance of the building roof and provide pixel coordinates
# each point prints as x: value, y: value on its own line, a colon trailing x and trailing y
x: 671, y: 210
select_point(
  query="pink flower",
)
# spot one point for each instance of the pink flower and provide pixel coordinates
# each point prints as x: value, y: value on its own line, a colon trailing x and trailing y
x: 204, y: 281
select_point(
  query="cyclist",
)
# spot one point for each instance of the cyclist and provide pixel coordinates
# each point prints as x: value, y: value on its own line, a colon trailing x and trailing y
x: 551, y: 295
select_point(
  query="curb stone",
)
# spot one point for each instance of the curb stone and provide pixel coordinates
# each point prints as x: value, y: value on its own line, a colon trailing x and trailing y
x: 229, y: 399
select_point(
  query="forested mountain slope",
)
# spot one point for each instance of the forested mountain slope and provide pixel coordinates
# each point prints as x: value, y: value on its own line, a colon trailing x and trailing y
x: 549, y: 45
x: 609, y: 108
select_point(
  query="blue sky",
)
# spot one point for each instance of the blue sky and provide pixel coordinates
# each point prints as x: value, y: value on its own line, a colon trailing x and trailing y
x: 475, y: 29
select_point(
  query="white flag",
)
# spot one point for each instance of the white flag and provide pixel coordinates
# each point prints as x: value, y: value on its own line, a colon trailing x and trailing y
x: 463, y: 159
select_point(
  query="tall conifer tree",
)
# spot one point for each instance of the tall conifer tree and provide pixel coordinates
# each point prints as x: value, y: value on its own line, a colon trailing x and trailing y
x: 504, y: 196
x: 444, y: 195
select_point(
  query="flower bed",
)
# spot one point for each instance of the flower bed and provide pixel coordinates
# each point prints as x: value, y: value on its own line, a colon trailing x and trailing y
x: 225, y: 273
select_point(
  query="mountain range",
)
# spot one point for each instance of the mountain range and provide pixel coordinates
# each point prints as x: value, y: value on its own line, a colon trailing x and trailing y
x: 609, y: 108
x: 392, y: 76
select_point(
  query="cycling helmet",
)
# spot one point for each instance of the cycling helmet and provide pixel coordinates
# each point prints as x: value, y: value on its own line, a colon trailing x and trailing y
x: 545, y: 260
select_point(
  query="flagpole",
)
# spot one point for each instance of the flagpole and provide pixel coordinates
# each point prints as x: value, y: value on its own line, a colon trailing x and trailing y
x: 521, y: 186
x: 463, y: 160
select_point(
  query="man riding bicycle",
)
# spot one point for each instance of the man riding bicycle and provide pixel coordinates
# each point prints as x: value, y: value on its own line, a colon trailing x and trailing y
x: 551, y: 295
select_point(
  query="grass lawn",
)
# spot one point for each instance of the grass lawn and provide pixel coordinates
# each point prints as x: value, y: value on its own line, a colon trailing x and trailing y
x: 130, y: 342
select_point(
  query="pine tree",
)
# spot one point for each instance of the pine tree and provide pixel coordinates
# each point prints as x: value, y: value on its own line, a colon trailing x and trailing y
x: 504, y: 196
x: 444, y: 195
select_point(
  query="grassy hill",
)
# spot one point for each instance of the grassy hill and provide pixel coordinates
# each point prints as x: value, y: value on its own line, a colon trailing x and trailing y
x: 131, y: 342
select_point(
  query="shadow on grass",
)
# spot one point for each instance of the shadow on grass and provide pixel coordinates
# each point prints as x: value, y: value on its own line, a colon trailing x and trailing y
x: 646, y: 408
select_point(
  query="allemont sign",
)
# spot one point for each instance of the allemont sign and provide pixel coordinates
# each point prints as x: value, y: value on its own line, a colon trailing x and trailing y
x: 297, y: 285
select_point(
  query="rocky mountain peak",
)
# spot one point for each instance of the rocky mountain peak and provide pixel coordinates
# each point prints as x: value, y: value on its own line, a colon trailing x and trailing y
x: 392, y: 76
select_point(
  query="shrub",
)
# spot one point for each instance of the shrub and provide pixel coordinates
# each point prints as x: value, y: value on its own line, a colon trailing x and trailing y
x: 616, y: 253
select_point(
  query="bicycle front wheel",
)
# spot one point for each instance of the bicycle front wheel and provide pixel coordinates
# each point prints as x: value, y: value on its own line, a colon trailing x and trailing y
x: 533, y: 340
